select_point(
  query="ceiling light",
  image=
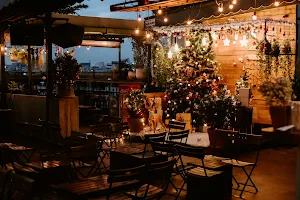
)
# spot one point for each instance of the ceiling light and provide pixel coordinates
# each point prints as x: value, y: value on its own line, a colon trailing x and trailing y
x: 254, y: 17
x: 159, y: 11
x: 139, y: 18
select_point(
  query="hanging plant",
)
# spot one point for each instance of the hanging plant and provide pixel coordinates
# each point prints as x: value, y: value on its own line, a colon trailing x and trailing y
x: 275, y: 53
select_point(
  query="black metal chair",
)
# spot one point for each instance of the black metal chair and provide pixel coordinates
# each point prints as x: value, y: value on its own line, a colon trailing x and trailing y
x: 176, y: 125
x: 160, y: 137
x: 104, y: 132
x: 252, y: 142
x: 180, y: 135
x: 223, y: 143
x: 195, y: 152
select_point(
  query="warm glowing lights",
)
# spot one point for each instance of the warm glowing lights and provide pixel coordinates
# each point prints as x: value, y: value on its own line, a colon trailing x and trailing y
x: 236, y: 37
x: 139, y: 18
x: 226, y: 42
x: 244, y: 41
x: 176, y: 48
x: 231, y: 6
x: 276, y: 3
x: 214, y: 36
x: 254, y: 17
x: 137, y: 30
x: 204, y: 41
x: 159, y: 11
x: 187, y: 43
x: 234, y: 2
x: 166, y: 19
x: 170, y: 54
x: 220, y: 7
x: 148, y: 35
x: 189, y: 22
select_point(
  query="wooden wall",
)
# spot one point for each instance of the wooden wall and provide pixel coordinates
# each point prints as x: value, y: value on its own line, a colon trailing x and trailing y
x: 226, y: 56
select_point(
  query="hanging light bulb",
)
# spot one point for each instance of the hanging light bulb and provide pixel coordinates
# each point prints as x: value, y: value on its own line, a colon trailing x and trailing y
x: 187, y: 43
x: 137, y: 31
x: 139, y: 18
x: 204, y: 41
x: 276, y: 3
x: 170, y: 54
x: 159, y: 11
x: 148, y: 35
x: 230, y: 6
x: 79, y: 46
x: 254, y: 16
x: 236, y: 37
x: 189, y: 22
x: 226, y: 42
x: 220, y: 7
x: 176, y: 48
x: 234, y: 2
x: 166, y: 19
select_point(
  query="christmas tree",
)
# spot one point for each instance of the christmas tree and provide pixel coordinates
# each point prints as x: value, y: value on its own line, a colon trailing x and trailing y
x: 197, y: 78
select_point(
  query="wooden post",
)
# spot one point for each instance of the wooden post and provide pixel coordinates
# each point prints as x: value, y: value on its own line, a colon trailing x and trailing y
x: 2, y: 71
x: 120, y: 61
x: 29, y: 69
x: 48, y: 26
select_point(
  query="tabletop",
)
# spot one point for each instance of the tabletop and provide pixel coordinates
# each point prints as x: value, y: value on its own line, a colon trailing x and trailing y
x: 15, y: 147
x: 91, y: 186
x: 47, y: 164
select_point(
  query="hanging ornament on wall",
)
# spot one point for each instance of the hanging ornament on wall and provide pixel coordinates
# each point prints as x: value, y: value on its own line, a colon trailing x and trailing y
x: 226, y: 42
x: 244, y: 41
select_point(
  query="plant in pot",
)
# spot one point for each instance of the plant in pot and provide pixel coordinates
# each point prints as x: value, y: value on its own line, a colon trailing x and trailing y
x: 140, y: 57
x: 115, y: 73
x: 13, y: 54
x: 22, y: 56
x: 66, y: 72
x: 219, y: 112
x: 135, y: 103
x: 278, y: 95
x: 13, y: 87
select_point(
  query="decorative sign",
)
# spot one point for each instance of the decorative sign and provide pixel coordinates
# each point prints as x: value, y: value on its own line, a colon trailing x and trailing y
x: 149, y: 22
x: 126, y: 88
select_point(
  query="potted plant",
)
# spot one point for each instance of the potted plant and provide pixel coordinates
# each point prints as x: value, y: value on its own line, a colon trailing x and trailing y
x: 67, y: 71
x: 22, y: 56
x: 115, y: 73
x: 140, y: 57
x: 13, y: 54
x: 278, y: 94
x: 13, y: 87
x: 135, y: 103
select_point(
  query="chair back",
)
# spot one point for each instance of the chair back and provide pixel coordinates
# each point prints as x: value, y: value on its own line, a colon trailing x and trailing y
x: 181, y: 135
x: 62, y: 155
x: 251, y: 142
x: 186, y: 150
x: 102, y: 129
x: 159, y: 137
x: 87, y: 152
x: 163, y: 148
x: 224, y: 143
x: 18, y: 187
x: 129, y: 174
x: 176, y: 125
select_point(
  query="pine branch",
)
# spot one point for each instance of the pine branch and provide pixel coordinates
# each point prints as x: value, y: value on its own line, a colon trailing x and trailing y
x: 72, y: 9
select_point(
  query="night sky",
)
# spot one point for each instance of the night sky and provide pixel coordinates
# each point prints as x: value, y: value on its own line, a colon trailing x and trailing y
x: 99, y: 8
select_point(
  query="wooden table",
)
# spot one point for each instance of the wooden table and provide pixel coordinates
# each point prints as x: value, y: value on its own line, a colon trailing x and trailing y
x: 38, y: 165
x: 91, y: 187
x: 19, y: 151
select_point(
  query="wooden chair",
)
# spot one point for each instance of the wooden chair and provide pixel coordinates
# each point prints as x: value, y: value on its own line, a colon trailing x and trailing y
x: 176, y: 125
x: 18, y: 187
x: 252, y: 142
x: 180, y: 135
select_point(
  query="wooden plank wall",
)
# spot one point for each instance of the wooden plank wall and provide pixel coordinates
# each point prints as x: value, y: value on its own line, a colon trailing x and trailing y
x: 226, y: 56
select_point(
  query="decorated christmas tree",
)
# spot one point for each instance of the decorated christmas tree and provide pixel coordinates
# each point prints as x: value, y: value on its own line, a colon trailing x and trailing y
x: 197, y: 78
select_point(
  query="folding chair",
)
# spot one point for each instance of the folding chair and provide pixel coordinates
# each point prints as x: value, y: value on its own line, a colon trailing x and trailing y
x: 160, y: 137
x: 180, y: 135
x: 105, y: 133
x: 224, y: 143
x: 253, y: 141
x: 155, y: 188
x: 195, y: 152
x: 176, y: 125
x: 18, y: 187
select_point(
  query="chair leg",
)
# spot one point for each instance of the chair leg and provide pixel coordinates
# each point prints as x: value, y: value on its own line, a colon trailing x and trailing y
x: 237, y: 183
x: 246, y: 183
x: 181, y: 188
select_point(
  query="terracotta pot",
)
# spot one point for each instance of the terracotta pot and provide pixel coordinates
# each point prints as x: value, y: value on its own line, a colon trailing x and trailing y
x: 13, y: 58
x: 135, y: 124
x: 131, y: 75
x: 280, y: 116
x: 65, y: 91
x: 141, y: 74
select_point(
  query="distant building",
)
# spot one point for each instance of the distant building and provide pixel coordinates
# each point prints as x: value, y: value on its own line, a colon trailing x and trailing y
x: 86, y: 67
x: 100, y: 64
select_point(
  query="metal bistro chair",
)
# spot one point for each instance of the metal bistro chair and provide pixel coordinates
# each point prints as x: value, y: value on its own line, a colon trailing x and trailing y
x: 160, y: 137
x: 224, y: 143
x: 176, y: 125
x: 180, y: 135
x: 105, y: 133
x: 195, y: 152
x: 250, y: 141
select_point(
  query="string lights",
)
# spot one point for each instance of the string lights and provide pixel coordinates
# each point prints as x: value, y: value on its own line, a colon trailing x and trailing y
x: 139, y: 18
x: 234, y: 2
x: 254, y: 16
x: 137, y: 30
x: 220, y: 7
x: 148, y: 35
x: 159, y: 11
x: 166, y: 19
x: 276, y: 3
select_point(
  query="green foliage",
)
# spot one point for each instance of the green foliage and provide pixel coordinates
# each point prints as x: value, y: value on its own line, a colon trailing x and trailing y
x: 163, y: 68
x: 140, y: 52
x: 135, y: 102
x: 72, y: 9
